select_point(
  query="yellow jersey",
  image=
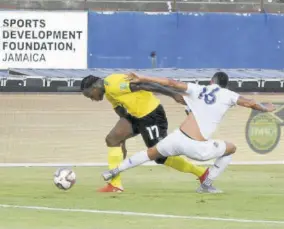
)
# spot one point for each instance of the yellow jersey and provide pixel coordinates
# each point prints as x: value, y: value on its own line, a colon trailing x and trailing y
x: 137, y: 104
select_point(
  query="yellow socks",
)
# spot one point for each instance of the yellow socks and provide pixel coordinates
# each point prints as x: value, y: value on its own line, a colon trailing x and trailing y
x: 115, y: 157
x: 183, y: 165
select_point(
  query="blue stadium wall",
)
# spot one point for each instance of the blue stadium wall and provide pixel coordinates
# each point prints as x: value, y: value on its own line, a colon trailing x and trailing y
x: 185, y: 40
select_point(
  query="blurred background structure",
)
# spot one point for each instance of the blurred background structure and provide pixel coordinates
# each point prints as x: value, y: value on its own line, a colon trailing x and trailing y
x: 271, y: 6
x: 244, y: 38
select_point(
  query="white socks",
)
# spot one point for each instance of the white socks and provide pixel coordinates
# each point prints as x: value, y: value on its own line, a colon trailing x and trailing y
x: 220, y: 165
x: 135, y: 160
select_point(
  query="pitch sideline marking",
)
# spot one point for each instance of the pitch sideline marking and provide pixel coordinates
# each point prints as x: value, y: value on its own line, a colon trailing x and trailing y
x: 141, y: 214
x: 146, y: 164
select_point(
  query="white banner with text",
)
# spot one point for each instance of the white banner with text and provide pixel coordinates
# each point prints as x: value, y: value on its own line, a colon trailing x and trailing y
x: 31, y: 39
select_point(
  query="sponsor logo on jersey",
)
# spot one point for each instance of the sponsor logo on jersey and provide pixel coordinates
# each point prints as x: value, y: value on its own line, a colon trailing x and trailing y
x: 123, y: 86
x: 263, y: 130
x: 216, y: 144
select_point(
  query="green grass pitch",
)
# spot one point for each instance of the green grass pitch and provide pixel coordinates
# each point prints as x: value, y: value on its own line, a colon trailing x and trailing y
x: 251, y: 192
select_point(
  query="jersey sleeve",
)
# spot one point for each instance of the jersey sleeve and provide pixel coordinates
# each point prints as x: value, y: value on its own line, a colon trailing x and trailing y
x: 117, y: 88
x: 191, y: 88
x: 233, y: 98
x: 112, y: 101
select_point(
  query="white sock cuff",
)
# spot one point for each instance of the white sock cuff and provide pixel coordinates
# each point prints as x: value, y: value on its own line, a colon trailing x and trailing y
x: 219, y: 166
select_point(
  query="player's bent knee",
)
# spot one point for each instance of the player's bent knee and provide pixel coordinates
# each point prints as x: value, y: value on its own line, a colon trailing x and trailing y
x: 112, y: 141
x: 230, y: 148
x: 234, y: 149
x: 153, y: 154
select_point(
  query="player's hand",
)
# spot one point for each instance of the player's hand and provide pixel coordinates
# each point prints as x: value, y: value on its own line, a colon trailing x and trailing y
x: 133, y: 78
x: 270, y: 107
x: 179, y: 99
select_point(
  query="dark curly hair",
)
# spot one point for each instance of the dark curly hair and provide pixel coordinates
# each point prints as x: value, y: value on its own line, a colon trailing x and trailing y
x: 221, y: 78
x: 88, y: 81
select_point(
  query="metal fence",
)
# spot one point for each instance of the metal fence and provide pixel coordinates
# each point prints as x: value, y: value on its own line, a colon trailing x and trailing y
x: 271, y: 6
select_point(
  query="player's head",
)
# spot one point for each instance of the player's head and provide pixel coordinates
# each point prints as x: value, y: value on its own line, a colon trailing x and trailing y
x: 92, y: 87
x: 220, y: 78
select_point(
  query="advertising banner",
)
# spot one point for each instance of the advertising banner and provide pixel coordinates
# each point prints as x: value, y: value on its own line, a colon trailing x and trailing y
x: 30, y: 39
x: 257, y: 135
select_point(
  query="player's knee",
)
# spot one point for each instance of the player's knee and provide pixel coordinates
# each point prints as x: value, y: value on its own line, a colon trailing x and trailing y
x: 153, y: 154
x: 161, y: 160
x: 112, y: 141
x: 230, y: 148
x: 234, y: 148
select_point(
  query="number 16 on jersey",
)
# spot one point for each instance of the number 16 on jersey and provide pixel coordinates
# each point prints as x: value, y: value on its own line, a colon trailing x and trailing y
x: 209, y: 97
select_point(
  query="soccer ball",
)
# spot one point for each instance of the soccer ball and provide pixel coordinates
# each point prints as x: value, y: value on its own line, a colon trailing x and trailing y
x: 64, y: 178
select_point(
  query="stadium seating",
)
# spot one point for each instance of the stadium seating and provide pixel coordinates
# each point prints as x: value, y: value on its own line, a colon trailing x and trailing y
x: 148, y: 5
x: 44, y: 80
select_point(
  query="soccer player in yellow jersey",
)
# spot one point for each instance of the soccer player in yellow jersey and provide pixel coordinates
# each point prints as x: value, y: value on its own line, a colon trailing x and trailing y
x: 140, y: 112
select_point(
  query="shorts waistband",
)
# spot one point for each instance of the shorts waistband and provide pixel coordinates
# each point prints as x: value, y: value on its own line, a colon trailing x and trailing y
x: 185, y: 134
x: 159, y: 107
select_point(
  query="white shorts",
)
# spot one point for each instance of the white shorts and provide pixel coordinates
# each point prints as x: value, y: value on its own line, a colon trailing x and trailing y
x: 177, y: 143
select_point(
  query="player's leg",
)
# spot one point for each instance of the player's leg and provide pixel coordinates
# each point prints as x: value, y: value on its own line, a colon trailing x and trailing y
x: 180, y: 144
x: 184, y: 165
x: 115, y: 140
x: 123, y: 148
x: 135, y: 132
x: 153, y: 128
x: 169, y: 147
x: 220, y: 164
x: 137, y: 159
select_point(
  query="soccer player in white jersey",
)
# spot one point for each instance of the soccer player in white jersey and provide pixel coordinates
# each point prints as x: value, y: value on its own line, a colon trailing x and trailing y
x: 208, y: 105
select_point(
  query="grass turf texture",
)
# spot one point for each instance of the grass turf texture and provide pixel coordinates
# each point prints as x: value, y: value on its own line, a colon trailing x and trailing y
x: 251, y: 192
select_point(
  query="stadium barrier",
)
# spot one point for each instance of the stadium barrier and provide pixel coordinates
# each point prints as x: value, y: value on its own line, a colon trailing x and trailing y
x: 186, y: 40
x: 148, y: 5
x: 38, y: 80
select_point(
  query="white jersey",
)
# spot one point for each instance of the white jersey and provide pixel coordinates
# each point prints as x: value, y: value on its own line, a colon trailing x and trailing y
x: 208, y: 105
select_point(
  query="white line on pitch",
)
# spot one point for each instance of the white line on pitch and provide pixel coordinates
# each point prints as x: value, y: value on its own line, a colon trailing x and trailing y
x: 148, y: 163
x: 142, y: 214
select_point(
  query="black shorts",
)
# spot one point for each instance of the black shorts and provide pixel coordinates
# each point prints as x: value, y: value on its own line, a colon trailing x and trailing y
x: 152, y: 127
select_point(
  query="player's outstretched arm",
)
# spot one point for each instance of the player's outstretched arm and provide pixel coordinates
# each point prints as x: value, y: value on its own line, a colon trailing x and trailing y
x: 251, y: 103
x: 154, y: 87
x: 181, y: 86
